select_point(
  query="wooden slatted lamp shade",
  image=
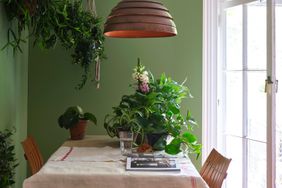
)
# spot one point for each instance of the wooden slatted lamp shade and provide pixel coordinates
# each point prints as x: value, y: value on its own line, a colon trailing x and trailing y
x: 140, y: 19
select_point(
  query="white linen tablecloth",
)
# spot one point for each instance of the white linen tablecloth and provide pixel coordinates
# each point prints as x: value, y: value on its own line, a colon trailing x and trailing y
x: 87, y: 154
x: 104, y: 167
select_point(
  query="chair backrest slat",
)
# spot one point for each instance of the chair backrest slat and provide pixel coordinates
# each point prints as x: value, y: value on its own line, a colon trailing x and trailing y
x: 32, y: 154
x: 214, y: 170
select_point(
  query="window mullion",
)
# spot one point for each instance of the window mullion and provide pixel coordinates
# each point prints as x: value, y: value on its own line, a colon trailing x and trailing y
x: 245, y: 97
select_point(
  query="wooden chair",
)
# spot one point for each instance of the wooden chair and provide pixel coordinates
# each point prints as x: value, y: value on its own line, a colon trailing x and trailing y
x: 214, y: 170
x: 32, y: 154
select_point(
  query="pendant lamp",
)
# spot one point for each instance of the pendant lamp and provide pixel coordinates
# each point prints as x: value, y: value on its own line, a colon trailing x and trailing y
x: 139, y: 19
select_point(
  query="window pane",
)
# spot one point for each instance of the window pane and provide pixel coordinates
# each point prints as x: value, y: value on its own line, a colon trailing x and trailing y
x: 256, y: 36
x: 234, y: 38
x: 234, y: 177
x: 256, y: 106
x: 257, y: 165
x: 233, y: 103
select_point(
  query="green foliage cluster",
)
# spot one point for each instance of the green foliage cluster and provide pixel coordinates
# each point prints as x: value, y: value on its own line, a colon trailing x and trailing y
x: 157, y: 112
x: 73, y: 115
x: 7, y: 159
x: 50, y: 21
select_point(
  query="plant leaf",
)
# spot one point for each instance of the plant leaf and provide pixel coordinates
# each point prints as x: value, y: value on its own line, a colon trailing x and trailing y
x: 189, y: 138
x: 91, y: 117
x: 173, y: 147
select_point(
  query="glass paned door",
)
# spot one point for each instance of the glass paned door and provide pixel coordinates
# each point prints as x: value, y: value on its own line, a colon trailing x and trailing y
x: 245, y: 118
x: 242, y: 95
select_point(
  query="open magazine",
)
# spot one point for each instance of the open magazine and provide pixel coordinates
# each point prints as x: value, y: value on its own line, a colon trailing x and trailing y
x: 152, y: 164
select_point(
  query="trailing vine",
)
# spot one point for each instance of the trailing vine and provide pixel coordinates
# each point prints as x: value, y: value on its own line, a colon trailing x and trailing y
x: 50, y: 21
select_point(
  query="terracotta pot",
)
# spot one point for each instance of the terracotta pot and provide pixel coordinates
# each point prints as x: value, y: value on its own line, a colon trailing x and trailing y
x: 78, y: 131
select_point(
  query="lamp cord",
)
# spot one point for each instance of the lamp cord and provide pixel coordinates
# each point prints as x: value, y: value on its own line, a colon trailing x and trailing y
x: 93, y: 10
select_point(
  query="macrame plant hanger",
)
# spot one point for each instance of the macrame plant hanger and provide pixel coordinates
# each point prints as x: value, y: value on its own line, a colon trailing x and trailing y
x: 91, y: 6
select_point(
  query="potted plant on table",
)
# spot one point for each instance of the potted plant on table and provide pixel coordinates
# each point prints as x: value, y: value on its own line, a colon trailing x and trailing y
x: 7, y: 159
x: 154, y: 112
x: 76, y: 120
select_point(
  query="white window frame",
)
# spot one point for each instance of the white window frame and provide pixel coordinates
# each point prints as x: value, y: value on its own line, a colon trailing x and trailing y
x: 271, y: 96
x: 209, y: 89
x: 209, y: 115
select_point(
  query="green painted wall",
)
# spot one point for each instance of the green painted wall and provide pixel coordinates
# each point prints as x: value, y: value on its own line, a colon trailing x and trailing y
x: 13, y: 94
x: 52, y: 77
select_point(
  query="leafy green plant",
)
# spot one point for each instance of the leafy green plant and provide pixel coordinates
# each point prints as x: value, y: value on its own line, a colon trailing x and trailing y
x: 154, y: 109
x: 50, y: 21
x: 7, y: 159
x: 164, y: 101
x: 125, y: 117
x: 73, y: 115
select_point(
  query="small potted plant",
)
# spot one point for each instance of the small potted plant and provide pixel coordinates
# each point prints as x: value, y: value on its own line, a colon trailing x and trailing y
x: 7, y: 159
x: 124, y: 118
x: 76, y: 120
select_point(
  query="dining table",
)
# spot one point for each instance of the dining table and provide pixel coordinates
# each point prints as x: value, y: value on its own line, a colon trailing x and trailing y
x: 97, y: 162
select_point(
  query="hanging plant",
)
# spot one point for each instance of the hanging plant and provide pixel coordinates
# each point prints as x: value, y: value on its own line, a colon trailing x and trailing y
x: 50, y: 21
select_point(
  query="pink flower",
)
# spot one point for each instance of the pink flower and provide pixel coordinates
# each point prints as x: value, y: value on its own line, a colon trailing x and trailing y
x: 144, y: 87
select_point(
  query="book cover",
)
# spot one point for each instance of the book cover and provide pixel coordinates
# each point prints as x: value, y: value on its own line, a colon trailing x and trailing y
x: 152, y: 164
